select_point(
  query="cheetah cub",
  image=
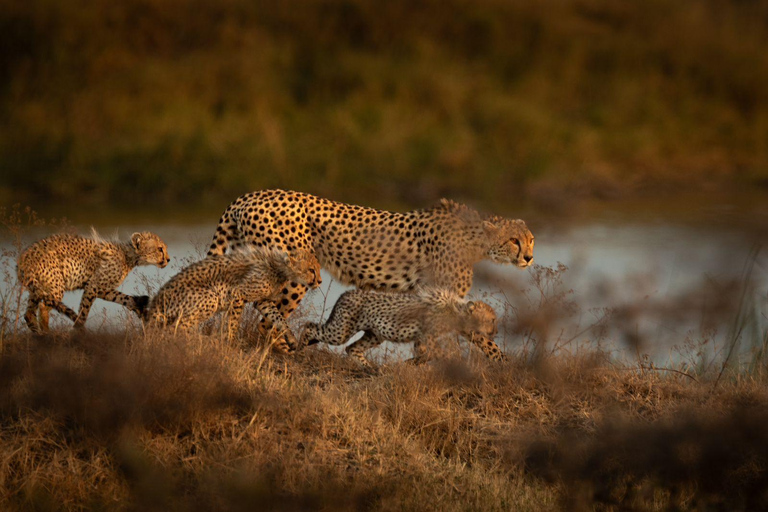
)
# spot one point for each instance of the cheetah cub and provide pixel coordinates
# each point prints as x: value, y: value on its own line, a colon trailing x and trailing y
x: 227, y: 282
x: 400, y: 318
x: 61, y: 263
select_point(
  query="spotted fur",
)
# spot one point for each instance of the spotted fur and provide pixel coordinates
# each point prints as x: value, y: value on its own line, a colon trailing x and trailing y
x: 61, y: 263
x: 227, y: 282
x: 421, y: 317
x: 374, y: 249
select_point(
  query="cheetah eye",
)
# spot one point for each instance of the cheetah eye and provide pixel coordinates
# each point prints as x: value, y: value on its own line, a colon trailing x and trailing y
x: 515, y: 241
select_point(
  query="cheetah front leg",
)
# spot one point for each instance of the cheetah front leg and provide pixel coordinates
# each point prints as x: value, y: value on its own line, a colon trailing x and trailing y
x: 274, y: 323
x: 290, y: 298
x: 455, y: 277
x: 102, y: 285
x: 85, y: 307
x: 488, y: 346
x: 58, y: 306
x: 89, y: 295
x: 342, y: 324
x: 235, y: 313
x: 138, y: 304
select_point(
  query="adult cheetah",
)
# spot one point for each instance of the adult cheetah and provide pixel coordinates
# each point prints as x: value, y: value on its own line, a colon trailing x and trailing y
x: 421, y: 317
x: 226, y: 282
x: 60, y: 263
x: 374, y: 249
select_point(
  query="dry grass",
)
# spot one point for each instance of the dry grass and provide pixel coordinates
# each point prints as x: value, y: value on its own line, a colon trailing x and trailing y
x: 128, y: 421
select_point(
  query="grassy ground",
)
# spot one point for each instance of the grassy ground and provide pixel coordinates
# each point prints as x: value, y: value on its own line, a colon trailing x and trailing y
x: 126, y: 421
x: 148, y: 101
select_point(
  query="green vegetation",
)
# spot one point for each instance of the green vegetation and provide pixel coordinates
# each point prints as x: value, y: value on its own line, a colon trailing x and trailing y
x: 385, y: 102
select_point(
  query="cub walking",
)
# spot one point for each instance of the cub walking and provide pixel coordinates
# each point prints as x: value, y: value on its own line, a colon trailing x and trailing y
x: 60, y: 263
x: 399, y: 317
x: 227, y: 282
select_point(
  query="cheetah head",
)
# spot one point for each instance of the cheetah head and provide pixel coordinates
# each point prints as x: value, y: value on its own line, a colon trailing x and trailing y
x: 511, y: 241
x: 478, y: 318
x: 307, y: 269
x: 150, y: 249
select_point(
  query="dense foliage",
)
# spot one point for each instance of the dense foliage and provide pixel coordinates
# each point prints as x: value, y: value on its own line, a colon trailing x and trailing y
x: 393, y: 102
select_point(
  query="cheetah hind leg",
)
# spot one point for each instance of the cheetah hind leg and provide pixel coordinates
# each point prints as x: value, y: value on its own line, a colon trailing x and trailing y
x: 210, y: 325
x: 30, y: 317
x: 44, y: 317
x: 358, y: 348
x: 420, y: 353
x: 309, y: 334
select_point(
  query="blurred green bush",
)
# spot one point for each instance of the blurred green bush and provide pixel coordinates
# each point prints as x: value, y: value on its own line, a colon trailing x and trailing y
x: 400, y: 101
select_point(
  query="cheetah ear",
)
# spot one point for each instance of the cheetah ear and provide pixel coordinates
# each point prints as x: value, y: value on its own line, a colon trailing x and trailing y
x: 136, y: 239
x: 471, y: 306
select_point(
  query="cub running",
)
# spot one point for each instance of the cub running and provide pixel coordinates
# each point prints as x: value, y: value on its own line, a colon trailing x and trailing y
x: 60, y: 263
x: 400, y: 318
x: 227, y: 282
